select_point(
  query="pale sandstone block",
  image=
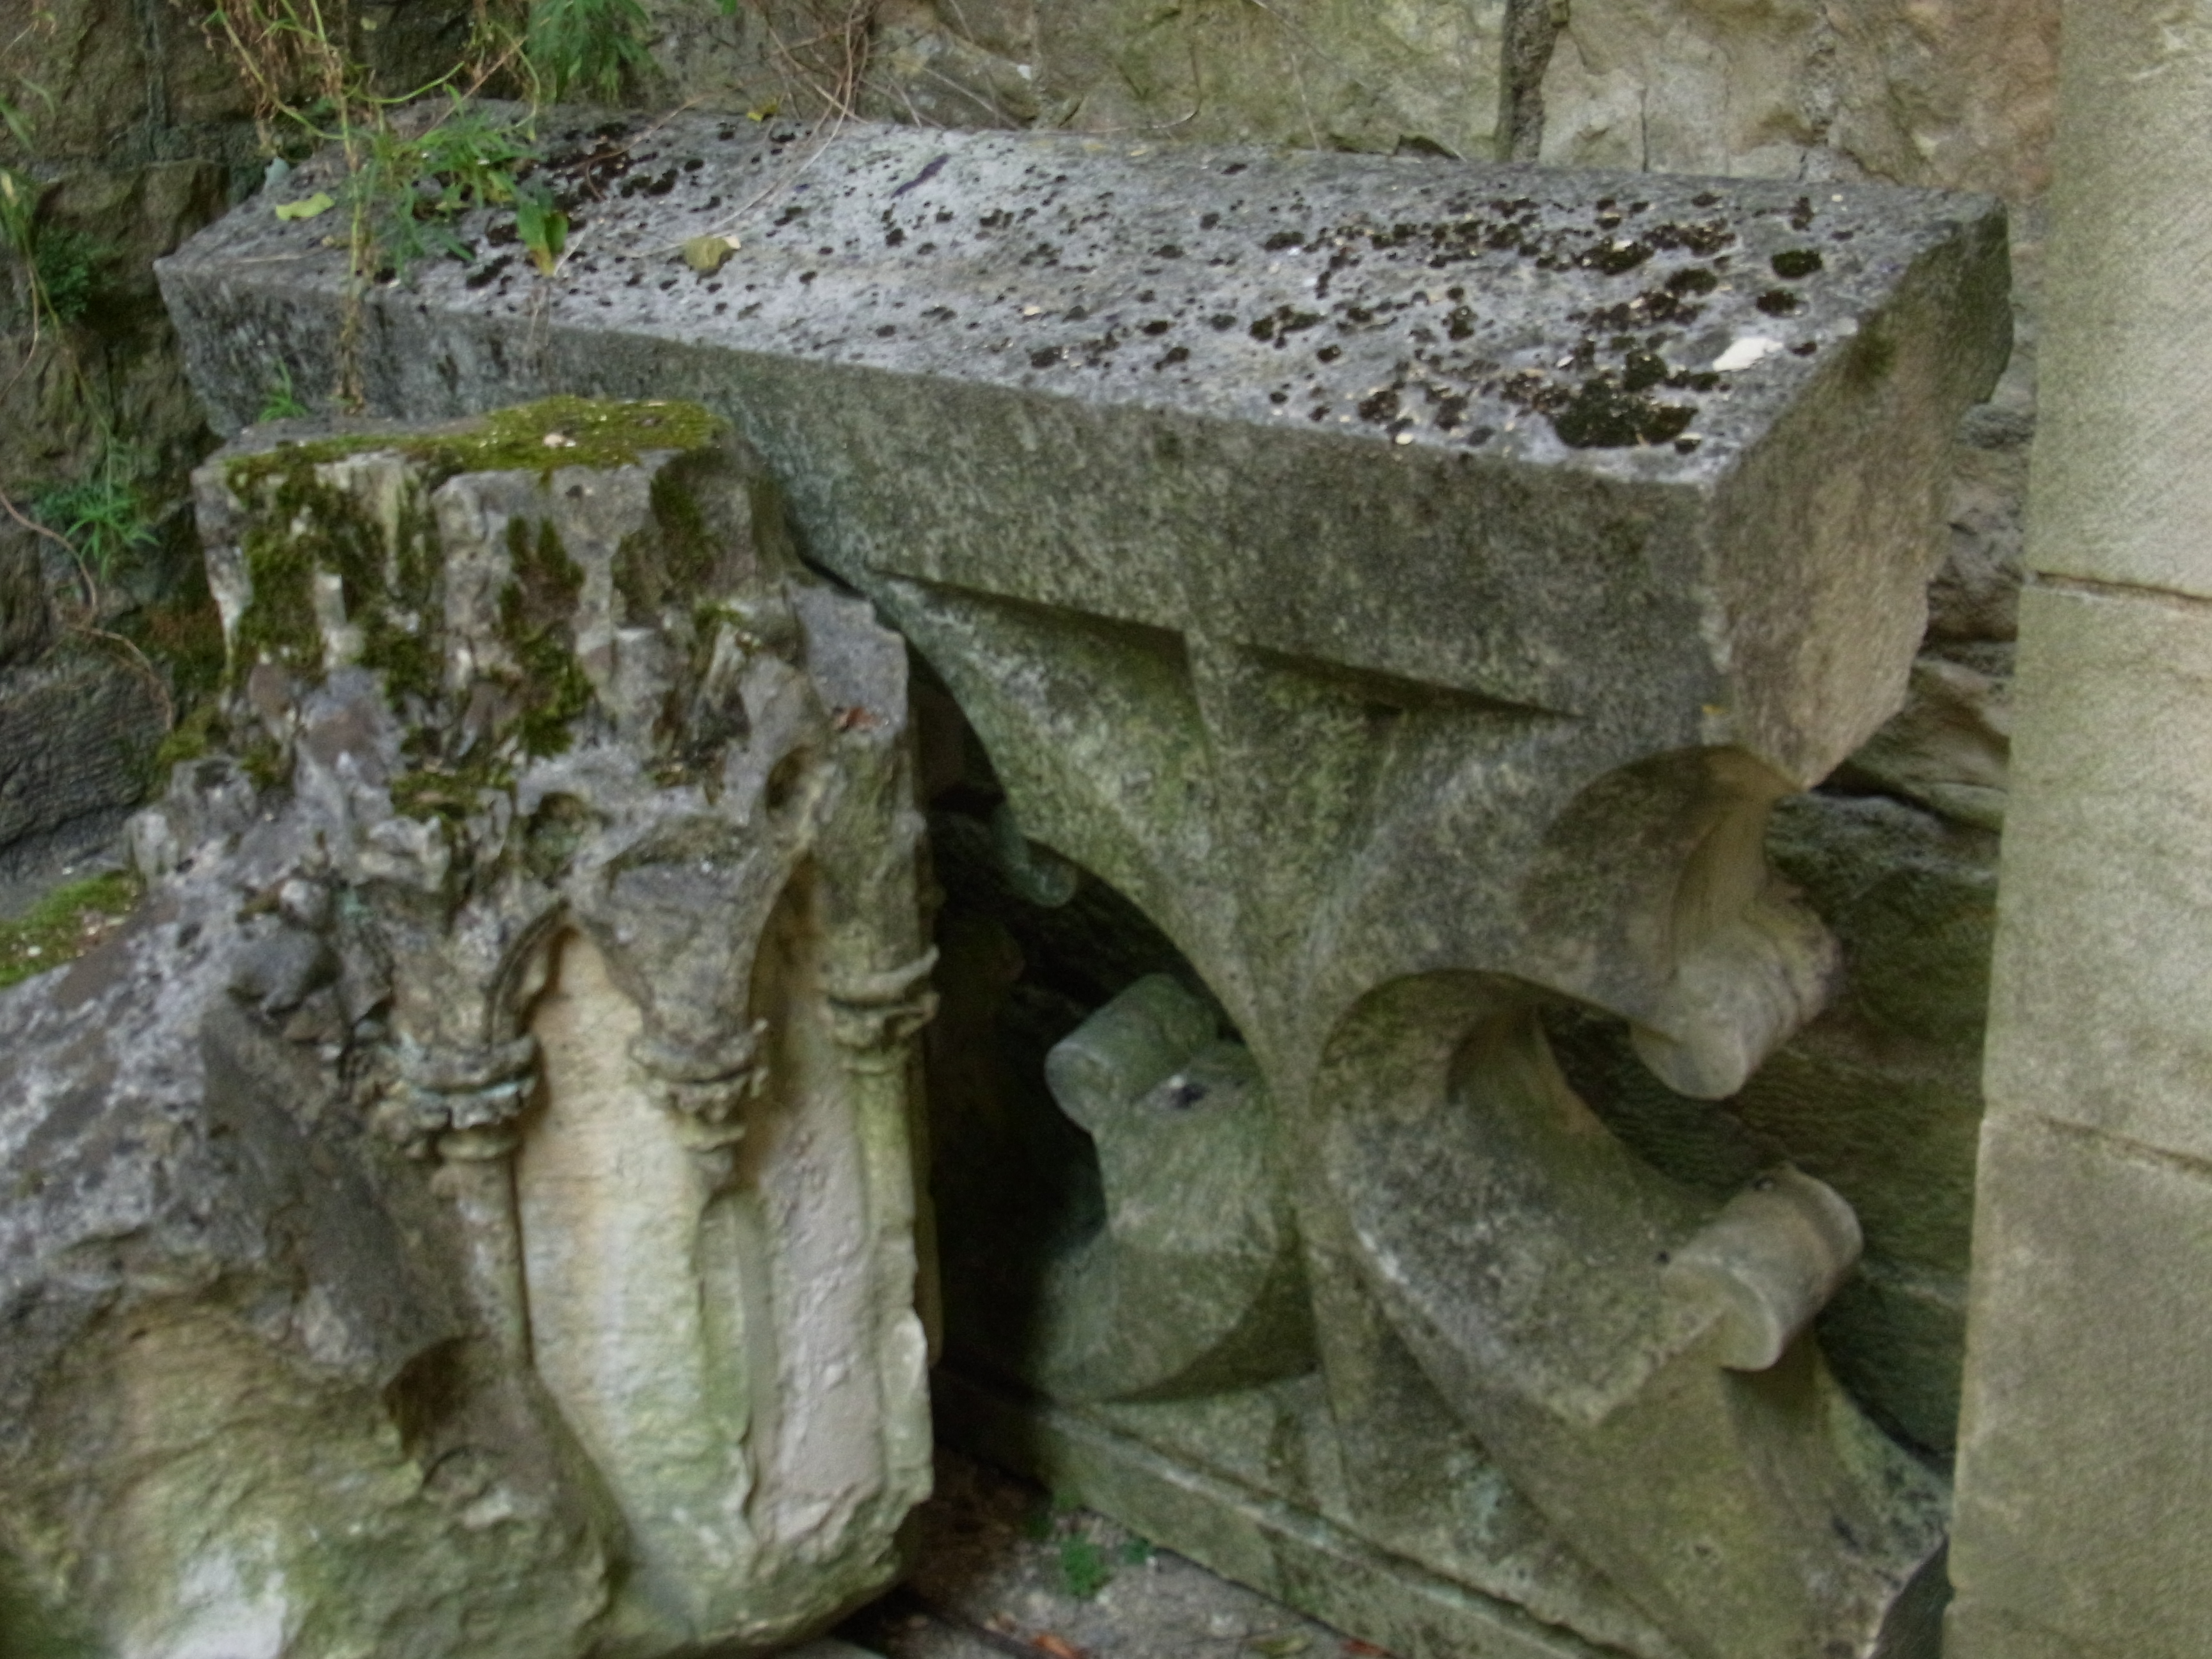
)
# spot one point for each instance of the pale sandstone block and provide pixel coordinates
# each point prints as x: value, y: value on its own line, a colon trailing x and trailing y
x: 2085, y: 1478
x: 2105, y: 881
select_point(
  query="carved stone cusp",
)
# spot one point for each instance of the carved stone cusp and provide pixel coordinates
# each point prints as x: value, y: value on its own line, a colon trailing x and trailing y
x: 1195, y: 1283
x: 873, y: 1013
x: 706, y: 1087
x: 1127, y: 1047
x: 1766, y: 1264
x: 442, y: 1091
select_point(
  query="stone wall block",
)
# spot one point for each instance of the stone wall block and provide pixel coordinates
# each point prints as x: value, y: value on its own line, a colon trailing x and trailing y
x: 2085, y: 1244
x: 2100, y: 936
x: 1958, y: 94
x: 2123, y: 485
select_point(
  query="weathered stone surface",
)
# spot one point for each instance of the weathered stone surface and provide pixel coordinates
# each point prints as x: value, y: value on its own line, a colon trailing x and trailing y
x: 2112, y: 762
x: 1491, y: 379
x: 78, y: 729
x: 570, y: 971
x: 1879, y: 1097
x: 1949, y: 747
x: 1959, y: 93
x: 1272, y: 676
x: 2120, y: 496
x: 1314, y: 73
x: 26, y: 617
x: 2086, y: 1242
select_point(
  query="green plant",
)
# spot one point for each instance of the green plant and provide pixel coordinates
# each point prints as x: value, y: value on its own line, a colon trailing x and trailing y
x: 68, y: 265
x: 103, y: 517
x: 586, y: 46
x: 278, y: 401
x: 1082, y: 1567
x: 63, y: 925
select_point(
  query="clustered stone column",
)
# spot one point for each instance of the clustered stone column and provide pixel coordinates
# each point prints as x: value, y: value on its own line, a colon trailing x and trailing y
x: 575, y: 984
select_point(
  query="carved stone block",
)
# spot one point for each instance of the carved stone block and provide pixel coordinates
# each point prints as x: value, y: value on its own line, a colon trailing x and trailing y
x: 1413, y: 586
x: 470, y: 1210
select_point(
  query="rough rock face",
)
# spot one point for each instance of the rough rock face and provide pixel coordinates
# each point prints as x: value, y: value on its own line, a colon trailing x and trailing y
x: 468, y: 1211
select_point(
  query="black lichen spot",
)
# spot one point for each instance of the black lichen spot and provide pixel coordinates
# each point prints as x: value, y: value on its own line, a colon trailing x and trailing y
x: 1642, y: 371
x: 1800, y: 216
x: 1779, y: 302
x: 1459, y: 322
x: 1167, y: 250
x: 1380, y: 406
x: 886, y: 330
x: 1693, y: 279
x: 1283, y: 239
x: 1208, y: 220
x: 1046, y: 356
x: 1797, y: 263
x: 1330, y: 354
x: 1804, y: 348
x: 1604, y: 415
x: 1173, y: 355
x: 1614, y: 257
x: 894, y: 237
x: 1281, y: 323
x: 1158, y: 325
x: 1221, y: 322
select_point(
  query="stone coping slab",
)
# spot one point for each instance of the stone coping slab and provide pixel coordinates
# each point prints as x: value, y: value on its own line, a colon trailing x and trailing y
x: 1471, y: 426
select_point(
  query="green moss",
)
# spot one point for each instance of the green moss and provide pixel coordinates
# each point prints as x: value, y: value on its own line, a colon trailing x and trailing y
x: 539, y: 437
x: 192, y: 738
x: 536, y: 611
x: 448, y: 793
x: 267, y: 763
x: 398, y: 623
x: 555, y: 830
x: 63, y: 925
x: 688, y: 548
x: 299, y: 524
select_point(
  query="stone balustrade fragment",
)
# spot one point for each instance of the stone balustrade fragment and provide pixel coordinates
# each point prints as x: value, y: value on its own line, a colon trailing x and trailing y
x: 1413, y: 585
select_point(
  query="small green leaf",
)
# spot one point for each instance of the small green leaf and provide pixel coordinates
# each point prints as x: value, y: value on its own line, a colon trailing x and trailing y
x: 708, y: 254
x: 544, y: 229
x: 306, y: 207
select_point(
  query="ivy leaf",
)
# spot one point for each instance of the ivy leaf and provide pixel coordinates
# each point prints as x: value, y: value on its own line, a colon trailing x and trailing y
x: 306, y: 207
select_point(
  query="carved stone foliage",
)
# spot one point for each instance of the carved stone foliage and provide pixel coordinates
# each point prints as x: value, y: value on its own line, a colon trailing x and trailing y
x: 573, y: 932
